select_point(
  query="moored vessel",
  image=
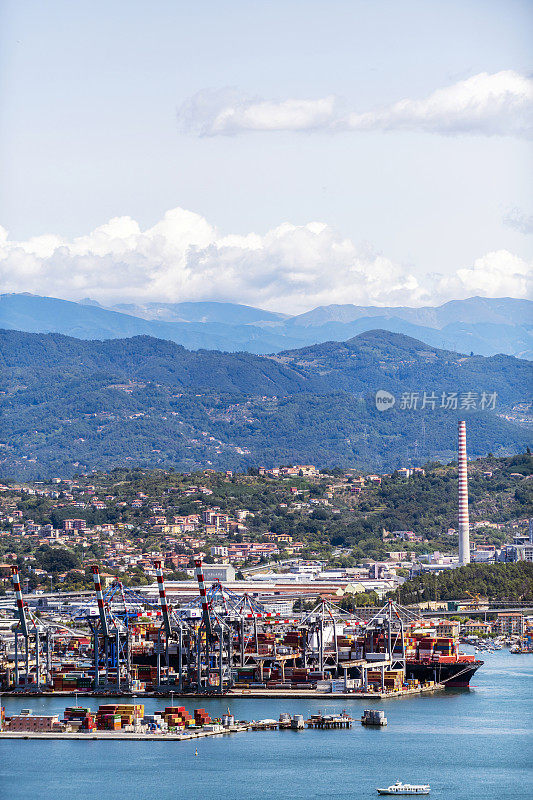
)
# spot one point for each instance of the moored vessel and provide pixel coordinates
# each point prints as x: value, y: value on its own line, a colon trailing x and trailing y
x: 453, y: 672
x: 373, y: 717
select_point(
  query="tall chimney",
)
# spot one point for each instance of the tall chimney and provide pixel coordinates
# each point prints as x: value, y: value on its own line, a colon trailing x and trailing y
x: 464, y: 523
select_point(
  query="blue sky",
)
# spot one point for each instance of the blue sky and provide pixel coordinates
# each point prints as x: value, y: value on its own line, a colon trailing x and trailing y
x: 104, y: 117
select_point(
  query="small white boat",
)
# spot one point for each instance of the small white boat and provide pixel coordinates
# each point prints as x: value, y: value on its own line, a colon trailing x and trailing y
x: 406, y: 788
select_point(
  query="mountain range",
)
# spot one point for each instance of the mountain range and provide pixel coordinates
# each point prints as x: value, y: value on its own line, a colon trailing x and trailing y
x: 70, y: 405
x: 484, y: 326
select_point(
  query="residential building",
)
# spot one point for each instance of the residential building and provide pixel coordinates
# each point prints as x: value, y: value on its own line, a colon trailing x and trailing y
x: 447, y: 628
x: 74, y: 524
x: 219, y: 550
x: 475, y: 627
x: 509, y: 624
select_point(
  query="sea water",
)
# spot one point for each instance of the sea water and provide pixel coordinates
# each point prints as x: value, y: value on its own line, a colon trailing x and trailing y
x: 467, y: 743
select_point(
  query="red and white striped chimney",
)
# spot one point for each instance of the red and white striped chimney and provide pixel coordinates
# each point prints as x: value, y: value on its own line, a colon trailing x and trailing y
x: 464, y: 522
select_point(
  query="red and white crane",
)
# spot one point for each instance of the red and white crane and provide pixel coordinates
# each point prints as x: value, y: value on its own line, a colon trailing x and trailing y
x: 100, y: 600
x: 205, y: 605
x: 163, y: 597
x: 30, y: 626
x: 22, y: 609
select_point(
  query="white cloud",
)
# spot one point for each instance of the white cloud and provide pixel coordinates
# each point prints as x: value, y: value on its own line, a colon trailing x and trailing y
x: 290, y: 268
x: 496, y: 274
x: 500, y: 104
x: 520, y: 221
x: 226, y: 111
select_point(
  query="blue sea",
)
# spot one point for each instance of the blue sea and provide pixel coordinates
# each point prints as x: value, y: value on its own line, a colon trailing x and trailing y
x: 467, y: 743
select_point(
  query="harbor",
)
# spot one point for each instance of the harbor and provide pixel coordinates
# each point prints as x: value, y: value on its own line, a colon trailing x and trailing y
x: 466, y: 743
x: 226, y: 644
x: 129, y: 722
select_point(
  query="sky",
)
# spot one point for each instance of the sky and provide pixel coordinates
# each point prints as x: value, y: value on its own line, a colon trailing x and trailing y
x: 280, y: 154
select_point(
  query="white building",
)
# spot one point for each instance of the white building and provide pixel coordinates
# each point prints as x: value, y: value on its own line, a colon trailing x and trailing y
x: 218, y: 572
x: 219, y: 550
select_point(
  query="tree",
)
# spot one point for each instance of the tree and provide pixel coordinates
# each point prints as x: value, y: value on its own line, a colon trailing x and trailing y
x: 359, y: 600
x: 497, y: 582
x: 56, y: 559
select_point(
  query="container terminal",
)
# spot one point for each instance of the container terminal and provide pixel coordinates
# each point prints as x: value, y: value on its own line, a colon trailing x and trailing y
x: 129, y: 720
x: 221, y: 642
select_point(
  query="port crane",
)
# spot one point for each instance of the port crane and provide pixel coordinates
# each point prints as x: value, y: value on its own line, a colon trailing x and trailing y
x: 207, y: 637
x: 214, y: 642
x: 206, y: 644
x: 175, y: 635
x: 319, y: 628
x: 476, y: 599
x: 31, y: 629
x: 111, y: 643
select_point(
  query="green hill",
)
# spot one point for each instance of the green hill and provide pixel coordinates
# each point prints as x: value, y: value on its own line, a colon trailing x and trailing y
x: 497, y: 582
x: 72, y: 405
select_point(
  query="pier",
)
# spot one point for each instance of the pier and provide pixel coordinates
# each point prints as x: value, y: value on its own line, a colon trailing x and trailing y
x: 329, y: 721
x: 120, y: 735
x: 303, y: 694
x: 248, y: 693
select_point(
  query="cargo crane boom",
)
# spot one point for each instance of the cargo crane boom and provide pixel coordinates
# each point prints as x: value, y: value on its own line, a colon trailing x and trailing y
x: 21, y: 608
x: 100, y: 600
x: 205, y: 606
x: 476, y: 599
x: 163, y: 598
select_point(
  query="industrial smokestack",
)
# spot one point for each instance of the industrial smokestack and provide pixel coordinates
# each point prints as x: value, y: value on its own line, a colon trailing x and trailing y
x: 464, y: 522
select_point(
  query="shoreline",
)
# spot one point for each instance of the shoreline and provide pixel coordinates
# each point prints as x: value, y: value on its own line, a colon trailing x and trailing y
x: 115, y: 735
x: 301, y: 694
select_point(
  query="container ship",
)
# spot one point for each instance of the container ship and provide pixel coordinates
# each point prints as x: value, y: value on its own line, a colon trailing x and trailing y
x: 429, y: 647
x: 432, y: 657
x: 456, y: 673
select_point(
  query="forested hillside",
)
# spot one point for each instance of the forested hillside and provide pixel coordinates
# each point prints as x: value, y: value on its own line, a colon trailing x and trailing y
x: 71, y: 405
x: 497, y: 582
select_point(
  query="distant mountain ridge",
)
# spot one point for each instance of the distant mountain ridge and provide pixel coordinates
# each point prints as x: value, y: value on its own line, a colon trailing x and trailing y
x: 201, y: 311
x: 69, y: 405
x: 481, y: 325
x: 472, y: 311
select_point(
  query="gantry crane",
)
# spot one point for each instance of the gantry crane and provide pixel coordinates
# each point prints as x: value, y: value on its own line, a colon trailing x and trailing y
x: 214, y: 643
x: 176, y: 636
x: 31, y: 629
x: 111, y: 643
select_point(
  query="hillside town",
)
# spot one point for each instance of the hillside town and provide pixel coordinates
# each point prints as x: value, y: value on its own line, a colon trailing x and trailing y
x: 280, y: 528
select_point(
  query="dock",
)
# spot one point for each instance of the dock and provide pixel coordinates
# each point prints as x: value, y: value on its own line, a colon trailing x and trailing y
x: 120, y: 735
x: 329, y: 721
x: 304, y: 694
x: 296, y: 694
x: 266, y: 725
